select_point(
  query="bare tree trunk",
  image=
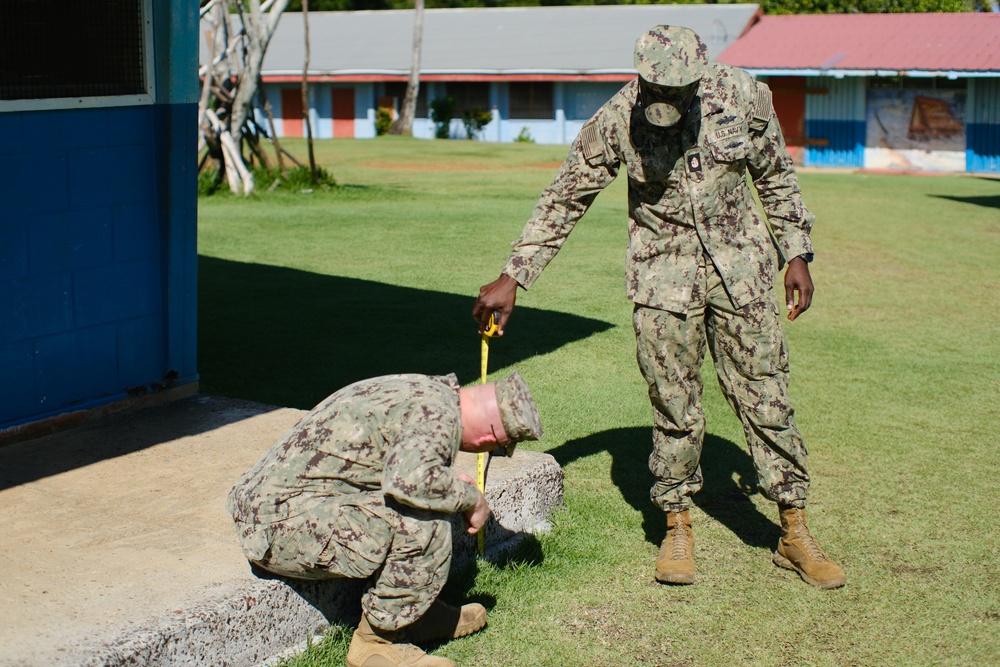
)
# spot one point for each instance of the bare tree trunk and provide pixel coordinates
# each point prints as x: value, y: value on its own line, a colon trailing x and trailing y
x: 236, y: 171
x: 239, y: 32
x: 259, y: 31
x: 305, y: 95
x: 270, y: 122
x: 253, y: 141
x: 209, y: 75
x: 404, y: 124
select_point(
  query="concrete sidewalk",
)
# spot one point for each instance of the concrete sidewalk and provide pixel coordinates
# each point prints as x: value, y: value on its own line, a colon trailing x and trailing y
x: 116, y: 548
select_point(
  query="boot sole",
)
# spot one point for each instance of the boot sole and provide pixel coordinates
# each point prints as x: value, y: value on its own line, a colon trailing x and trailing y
x: 781, y: 561
x: 675, y: 579
x: 471, y: 630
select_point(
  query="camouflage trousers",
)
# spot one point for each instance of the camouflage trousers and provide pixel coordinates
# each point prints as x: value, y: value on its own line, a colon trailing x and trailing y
x: 750, y: 353
x: 406, y: 551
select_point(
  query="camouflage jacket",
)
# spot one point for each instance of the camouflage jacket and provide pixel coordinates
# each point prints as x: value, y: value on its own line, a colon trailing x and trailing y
x: 380, y: 441
x: 688, y: 193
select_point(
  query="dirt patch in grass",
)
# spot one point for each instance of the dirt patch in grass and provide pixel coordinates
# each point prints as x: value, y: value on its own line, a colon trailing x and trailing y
x: 605, y: 627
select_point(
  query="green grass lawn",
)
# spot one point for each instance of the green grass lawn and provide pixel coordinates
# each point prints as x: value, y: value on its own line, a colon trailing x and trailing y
x: 895, y: 376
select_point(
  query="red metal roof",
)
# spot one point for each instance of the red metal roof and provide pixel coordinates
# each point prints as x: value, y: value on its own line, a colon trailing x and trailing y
x: 902, y: 42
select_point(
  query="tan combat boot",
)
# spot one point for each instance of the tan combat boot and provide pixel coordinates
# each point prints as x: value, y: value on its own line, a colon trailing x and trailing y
x: 443, y: 621
x: 675, y: 564
x: 797, y: 550
x: 371, y: 647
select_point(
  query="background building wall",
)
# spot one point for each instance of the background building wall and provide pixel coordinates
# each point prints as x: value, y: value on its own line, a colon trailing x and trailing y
x: 573, y: 105
x: 916, y: 124
x: 846, y: 122
x: 983, y: 118
x: 98, y: 242
x: 839, y: 118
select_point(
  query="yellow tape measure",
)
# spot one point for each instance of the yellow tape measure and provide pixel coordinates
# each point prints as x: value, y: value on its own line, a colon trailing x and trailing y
x: 491, y: 329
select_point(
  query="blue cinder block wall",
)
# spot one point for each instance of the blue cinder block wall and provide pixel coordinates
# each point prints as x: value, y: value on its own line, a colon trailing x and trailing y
x: 98, y: 222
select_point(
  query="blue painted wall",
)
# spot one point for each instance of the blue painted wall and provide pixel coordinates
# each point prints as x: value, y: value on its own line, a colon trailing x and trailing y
x: 983, y: 126
x: 839, y: 117
x: 98, y: 223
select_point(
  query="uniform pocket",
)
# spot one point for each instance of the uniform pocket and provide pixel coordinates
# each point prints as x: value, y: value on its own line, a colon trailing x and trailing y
x: 357, y: 539
x: 730, y: 150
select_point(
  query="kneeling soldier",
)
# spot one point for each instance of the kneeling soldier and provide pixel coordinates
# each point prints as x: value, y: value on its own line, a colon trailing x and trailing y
x: 363, y: 486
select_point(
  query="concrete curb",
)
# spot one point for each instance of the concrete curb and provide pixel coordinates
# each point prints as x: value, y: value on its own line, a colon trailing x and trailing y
x: 156, y: 575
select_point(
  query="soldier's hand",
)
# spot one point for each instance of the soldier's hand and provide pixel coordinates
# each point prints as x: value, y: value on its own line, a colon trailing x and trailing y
x: 798, y: 287
x: 497, y: 296
x: 477, y: 516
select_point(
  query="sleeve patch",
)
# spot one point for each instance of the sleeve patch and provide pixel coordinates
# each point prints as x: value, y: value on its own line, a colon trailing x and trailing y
x: 763, y: 108
x: 591, y: 143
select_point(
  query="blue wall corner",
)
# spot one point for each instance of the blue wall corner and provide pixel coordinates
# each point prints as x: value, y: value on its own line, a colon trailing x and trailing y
x: 98, y: 261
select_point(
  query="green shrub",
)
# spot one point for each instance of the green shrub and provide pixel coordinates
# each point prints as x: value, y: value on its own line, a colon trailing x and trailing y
x: 208, y: 181
x: 475, y: 120
x: 268, y: 180
x: 299, y: 179
x: 442, y: 111
x: 524, y: 136
x: 383, y: 120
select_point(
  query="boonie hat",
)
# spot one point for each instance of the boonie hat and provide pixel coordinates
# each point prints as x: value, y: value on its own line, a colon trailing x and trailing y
x: 518, y: 412
x: 670, y: 55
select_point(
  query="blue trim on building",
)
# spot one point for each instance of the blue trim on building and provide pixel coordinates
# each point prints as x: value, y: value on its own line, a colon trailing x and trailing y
x: 983, y: 153
x: 846, y: 147
x: 175, y: 24
x: 178, y: 214
x: 982, y: 132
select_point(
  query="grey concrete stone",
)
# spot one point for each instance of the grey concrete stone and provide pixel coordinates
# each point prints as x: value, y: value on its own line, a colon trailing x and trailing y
x: 116, y: 548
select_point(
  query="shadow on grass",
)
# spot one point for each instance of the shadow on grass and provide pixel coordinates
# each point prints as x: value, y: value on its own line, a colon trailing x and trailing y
x: 288, y: 337
x: 462, y: 579
x: 989, y: 201
x: 730, y: 480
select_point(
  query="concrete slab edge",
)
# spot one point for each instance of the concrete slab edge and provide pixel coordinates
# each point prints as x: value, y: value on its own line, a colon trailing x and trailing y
x: 75, y: 418
x: 255, y: 621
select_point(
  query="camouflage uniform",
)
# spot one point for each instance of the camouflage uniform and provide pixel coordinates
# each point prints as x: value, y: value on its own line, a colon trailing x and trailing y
x: 363, y: 486
x: 700, y: 265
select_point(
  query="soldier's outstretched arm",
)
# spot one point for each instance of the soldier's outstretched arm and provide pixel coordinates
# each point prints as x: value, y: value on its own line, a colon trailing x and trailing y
x: 590, y: 166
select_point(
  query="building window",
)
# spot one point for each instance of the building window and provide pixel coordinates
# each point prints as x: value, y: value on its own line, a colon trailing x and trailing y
x: 468, y: 95
x: 531, y: 99
x: 397, y: 90
x: 66, y: 52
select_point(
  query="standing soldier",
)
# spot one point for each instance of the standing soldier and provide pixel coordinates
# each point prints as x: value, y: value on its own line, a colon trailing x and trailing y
x: 362, y: 485
x: 700, y: 269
